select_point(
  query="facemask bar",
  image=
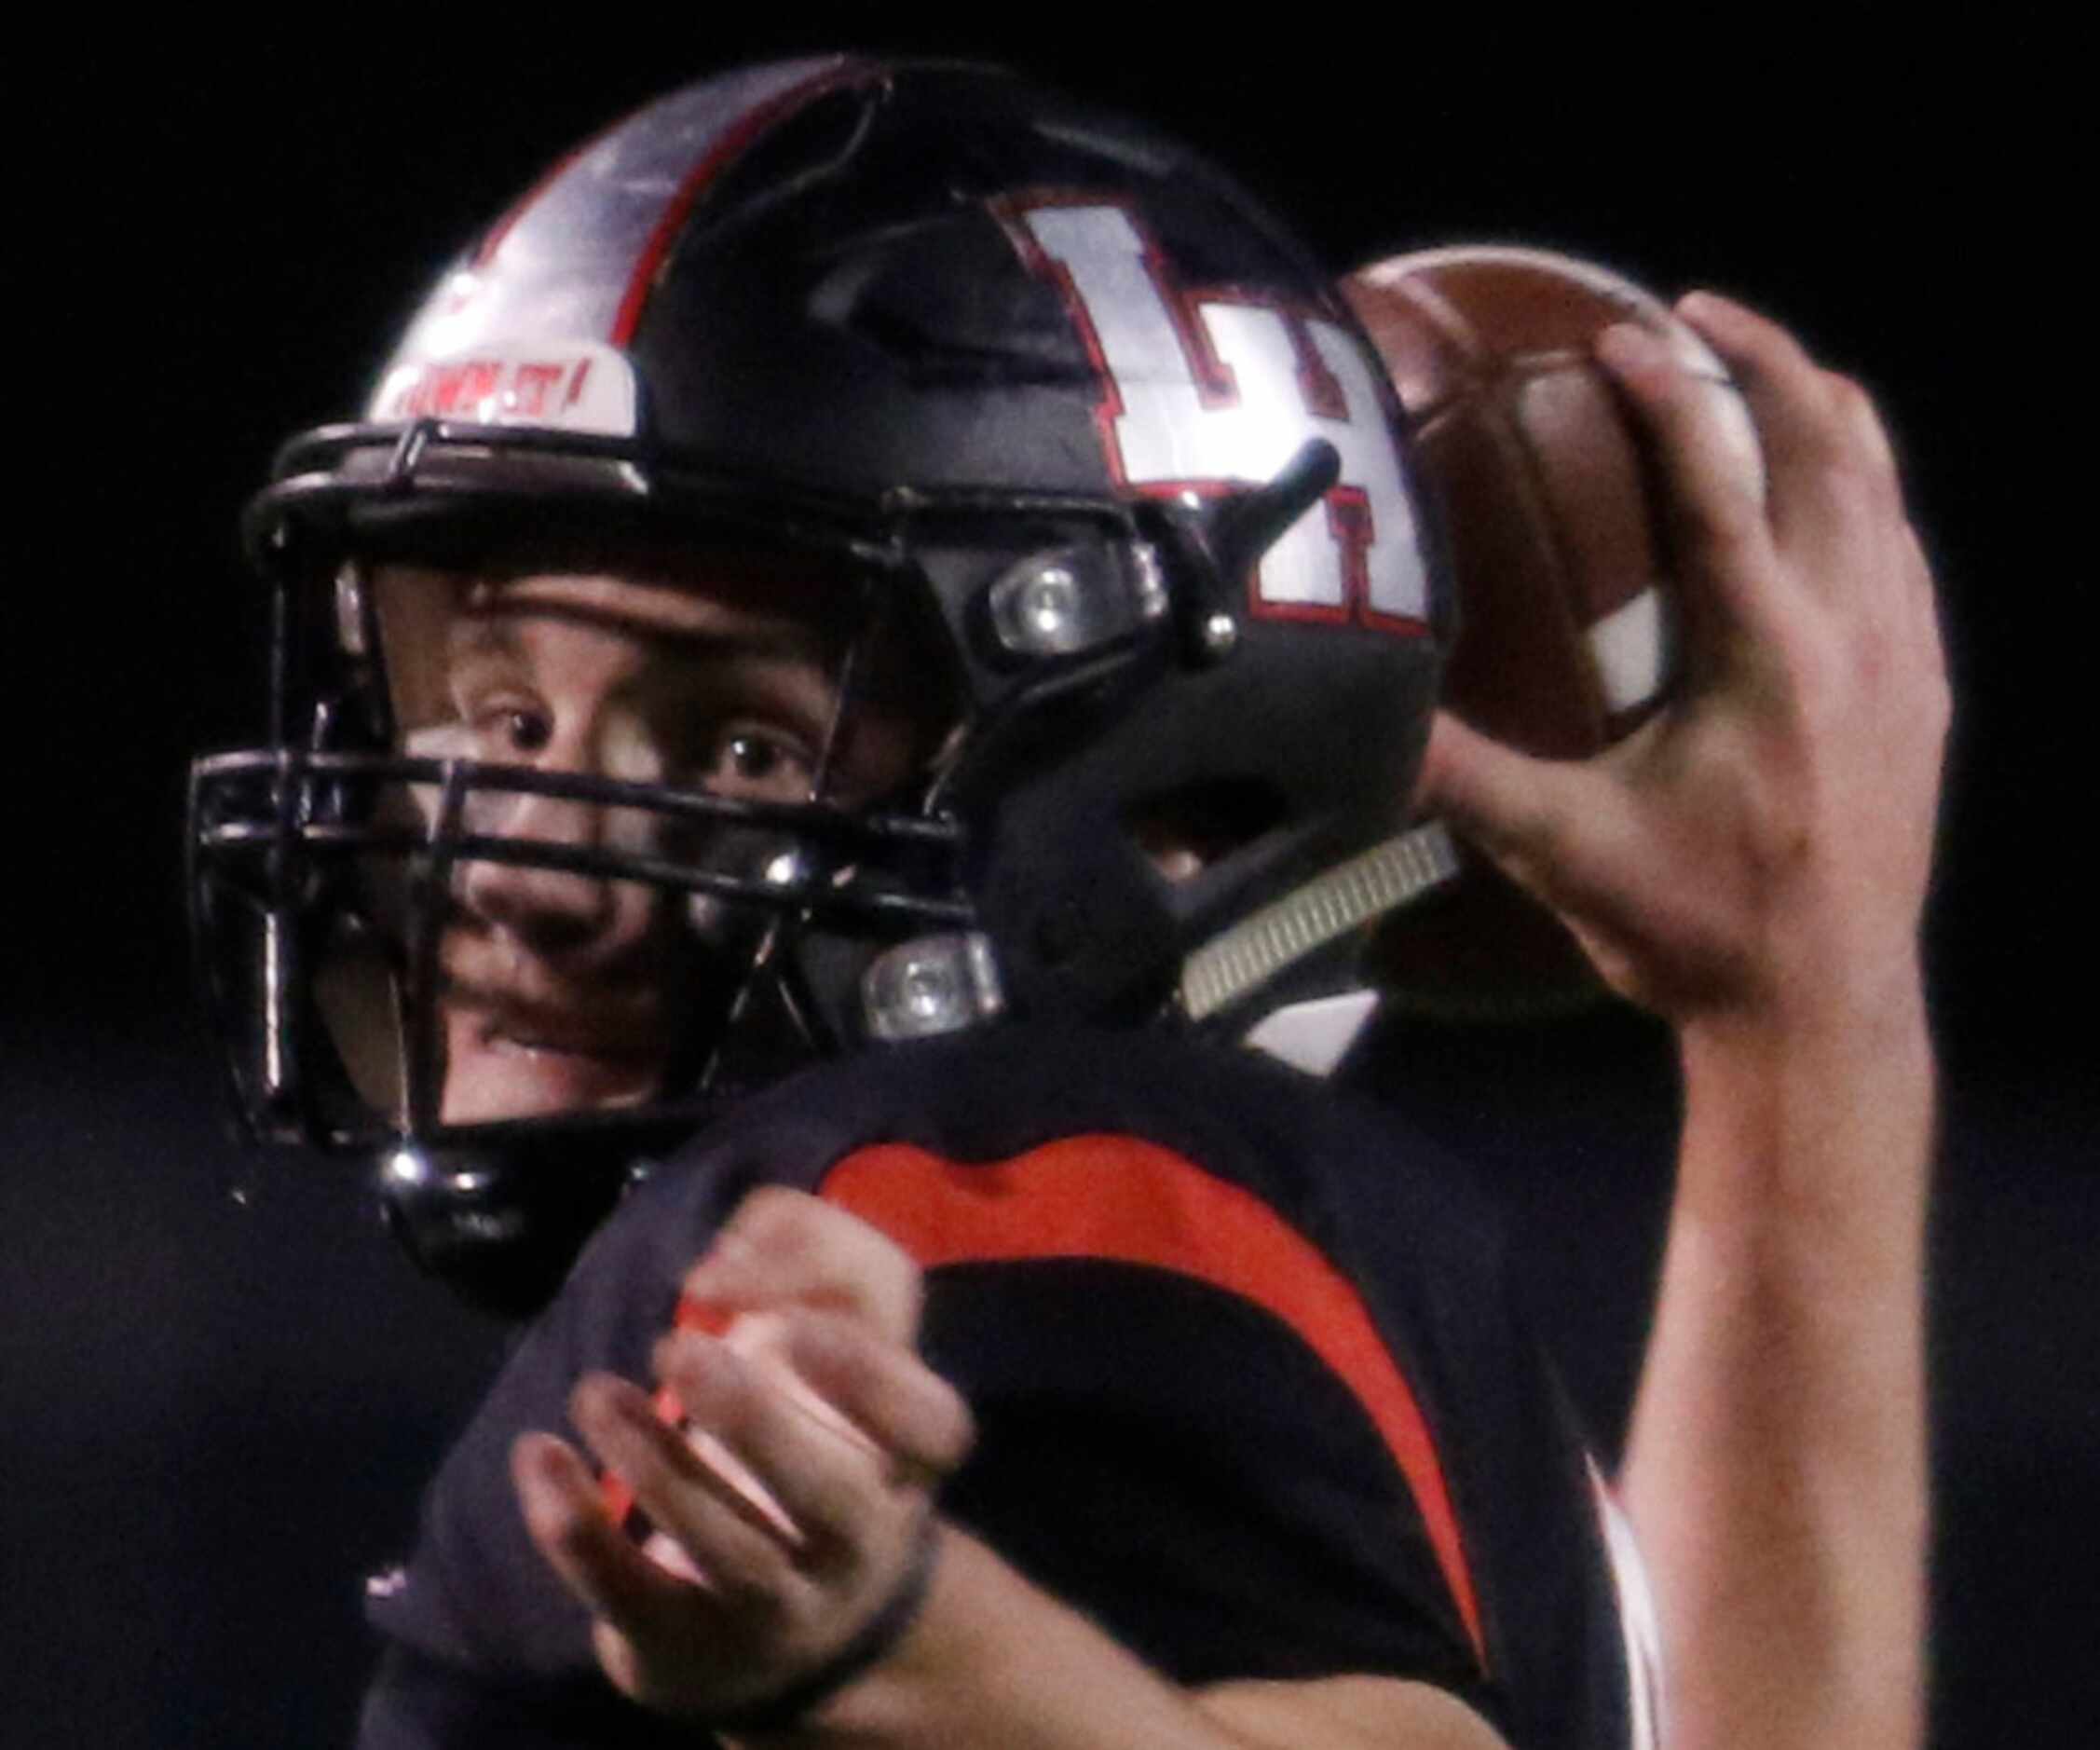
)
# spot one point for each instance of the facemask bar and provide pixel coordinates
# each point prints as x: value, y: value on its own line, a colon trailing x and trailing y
x: 769, y: 958
x: 278, y: 837
x: 262, y: 823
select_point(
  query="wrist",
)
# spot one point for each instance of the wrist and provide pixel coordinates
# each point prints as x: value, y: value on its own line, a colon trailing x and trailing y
x: 1836, y: 996
x: 1811, y: 1113
x: 812, y: 1700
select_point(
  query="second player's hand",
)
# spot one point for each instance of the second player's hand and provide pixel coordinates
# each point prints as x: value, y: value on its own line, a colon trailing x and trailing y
x: 1771, y: 830
x: 845, y: 1432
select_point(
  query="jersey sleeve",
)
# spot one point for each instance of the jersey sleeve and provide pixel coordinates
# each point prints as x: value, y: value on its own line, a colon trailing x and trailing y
x: 1249, y: 1396
x: 1189, y: 1426
x: 483, y: 1644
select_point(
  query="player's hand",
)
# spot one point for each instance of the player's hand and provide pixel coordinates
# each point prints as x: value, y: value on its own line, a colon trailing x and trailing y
x: 796, y: 1504
x: 1767, y: 837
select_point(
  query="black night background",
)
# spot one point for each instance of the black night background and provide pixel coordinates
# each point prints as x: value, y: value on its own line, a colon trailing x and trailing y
x: 218, y: 1409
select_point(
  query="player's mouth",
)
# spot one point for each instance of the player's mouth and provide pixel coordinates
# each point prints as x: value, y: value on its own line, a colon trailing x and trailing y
x: 510, y: 1060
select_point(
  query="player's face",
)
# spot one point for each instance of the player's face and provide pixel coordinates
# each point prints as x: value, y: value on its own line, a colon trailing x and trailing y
x: 564, y: 992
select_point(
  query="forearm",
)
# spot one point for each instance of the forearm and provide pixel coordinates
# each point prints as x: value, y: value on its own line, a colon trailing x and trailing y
x: 995, y: 1661
x: 1777, y: 1471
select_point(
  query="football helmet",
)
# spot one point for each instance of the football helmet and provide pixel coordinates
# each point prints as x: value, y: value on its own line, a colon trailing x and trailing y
x: 1046, y: 397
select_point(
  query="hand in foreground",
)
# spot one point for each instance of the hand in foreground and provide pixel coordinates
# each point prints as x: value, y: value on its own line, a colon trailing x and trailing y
x: 791, y: 1510
x: 1772, y: 828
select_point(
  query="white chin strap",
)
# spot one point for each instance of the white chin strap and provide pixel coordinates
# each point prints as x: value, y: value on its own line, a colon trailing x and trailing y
x: 937, y: 984
x: 1240, y: 960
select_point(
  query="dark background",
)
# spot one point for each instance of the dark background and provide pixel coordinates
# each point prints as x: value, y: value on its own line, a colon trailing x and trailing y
x: 217, y: 1410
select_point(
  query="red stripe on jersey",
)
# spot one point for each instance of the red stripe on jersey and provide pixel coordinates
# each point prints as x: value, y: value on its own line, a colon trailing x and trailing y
x: 725, y: 151
x: 1118, y: 1198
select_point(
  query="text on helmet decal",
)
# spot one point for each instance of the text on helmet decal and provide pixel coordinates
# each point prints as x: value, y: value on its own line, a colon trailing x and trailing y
x: 1207, y: 391
x: 582, y: 387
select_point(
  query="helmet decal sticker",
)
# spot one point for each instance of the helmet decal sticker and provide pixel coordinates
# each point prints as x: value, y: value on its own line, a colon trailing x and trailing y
x: 1206, y: 390
x: 584, y: 386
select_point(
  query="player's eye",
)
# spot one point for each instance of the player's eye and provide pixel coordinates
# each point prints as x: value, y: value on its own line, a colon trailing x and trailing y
x: 508, y: 729
x: 744, y: 761
x: 525, y: 732
x: 752, y: 757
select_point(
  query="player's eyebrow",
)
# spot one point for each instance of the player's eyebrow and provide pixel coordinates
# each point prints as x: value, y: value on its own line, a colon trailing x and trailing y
x: 489, y: 629
x: 476, y: 633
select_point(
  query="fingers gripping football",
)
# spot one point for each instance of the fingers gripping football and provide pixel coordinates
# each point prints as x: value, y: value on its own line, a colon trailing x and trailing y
x: 1774, y: 823
x: 790, y: 1491
x: 783, y: 1247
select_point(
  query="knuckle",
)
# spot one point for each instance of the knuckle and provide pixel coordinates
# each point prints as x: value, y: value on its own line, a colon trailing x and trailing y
x: 827, y: 1349
x: 1839, y: 471
x: 773, y: 1213
x: 832, y: 1341
x: 957, y: 1435
x: 940, y: 1431
x: 738, y: 1403
x: 1849, y: 444
x: 1846, y: 398
x: 1755, y: 346
x: 723, y: 1395
x: 883, y: 1253
x: 1777, y: 346
x: 1724, y: 534
x: 682, y: 1361
x: 1821, y: 678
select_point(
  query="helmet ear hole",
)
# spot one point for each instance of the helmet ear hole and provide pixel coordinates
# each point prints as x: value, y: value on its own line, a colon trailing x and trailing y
x: 1185, y: 830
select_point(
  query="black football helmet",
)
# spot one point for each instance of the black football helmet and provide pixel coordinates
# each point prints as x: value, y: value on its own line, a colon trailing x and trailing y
x: 1038, y: 384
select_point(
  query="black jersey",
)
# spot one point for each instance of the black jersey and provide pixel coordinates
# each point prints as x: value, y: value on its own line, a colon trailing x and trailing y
x: 1249, y: 1387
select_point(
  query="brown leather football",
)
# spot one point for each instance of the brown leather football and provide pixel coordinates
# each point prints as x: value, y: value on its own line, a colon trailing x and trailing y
x: 1565, y: 638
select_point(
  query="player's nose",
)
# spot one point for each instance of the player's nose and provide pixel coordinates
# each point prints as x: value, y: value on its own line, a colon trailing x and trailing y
x: 551, y: 908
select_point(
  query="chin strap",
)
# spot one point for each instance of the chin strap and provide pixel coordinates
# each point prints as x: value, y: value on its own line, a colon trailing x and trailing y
x: 1242, y: 959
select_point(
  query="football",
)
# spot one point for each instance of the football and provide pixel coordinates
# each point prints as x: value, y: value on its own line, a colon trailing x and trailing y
x: 1552, y: 515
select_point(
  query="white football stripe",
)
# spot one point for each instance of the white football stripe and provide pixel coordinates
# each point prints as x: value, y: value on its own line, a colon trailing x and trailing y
x: 1627, y: 645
